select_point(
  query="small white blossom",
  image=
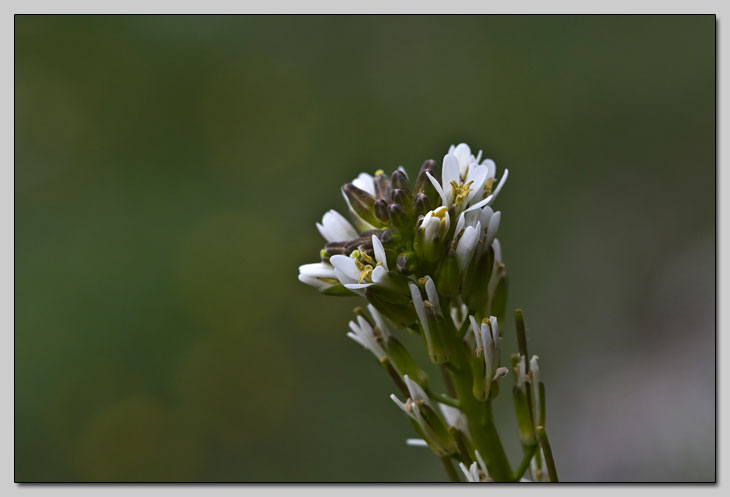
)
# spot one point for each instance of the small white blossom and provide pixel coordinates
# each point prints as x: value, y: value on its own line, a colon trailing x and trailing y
x: 363, y: 333
x: 320, y: 275
x: 355, y: 275
x: 335, y: 228
x: 465, y: 183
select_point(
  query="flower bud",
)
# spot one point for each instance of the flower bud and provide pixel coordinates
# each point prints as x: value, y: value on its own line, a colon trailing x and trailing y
x: 401, y: 221
x: 431, y: 234
x: 361, y: 203
x: 421, y: 204
x: 399, y: 181
x: 431, y: 425
x: 423, y: 184
x: 406, y: 262
x: 381, y: 210
x: 382, y: 186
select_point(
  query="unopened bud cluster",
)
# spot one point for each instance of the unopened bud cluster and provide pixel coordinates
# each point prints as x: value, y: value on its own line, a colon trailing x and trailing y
x: 424, y: 254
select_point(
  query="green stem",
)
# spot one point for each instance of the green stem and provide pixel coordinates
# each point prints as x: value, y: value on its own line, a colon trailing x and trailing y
x: 479, y: 414
x: 453, y: 475
x: 548, y: 453
x: 444, y: 399
x: 529, y: 452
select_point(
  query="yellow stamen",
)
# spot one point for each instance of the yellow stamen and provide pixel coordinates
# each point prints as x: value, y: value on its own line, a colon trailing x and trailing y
x: 460, y: 191
x: 366, y: 258
x: 365, y: 273
x: 488, y: 187
x: 379, y: 172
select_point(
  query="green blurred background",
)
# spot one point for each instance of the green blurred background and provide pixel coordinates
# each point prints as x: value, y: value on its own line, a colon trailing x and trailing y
x: 170, y: 169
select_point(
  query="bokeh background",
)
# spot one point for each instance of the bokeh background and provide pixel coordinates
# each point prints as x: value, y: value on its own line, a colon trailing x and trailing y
x: 170, y: 169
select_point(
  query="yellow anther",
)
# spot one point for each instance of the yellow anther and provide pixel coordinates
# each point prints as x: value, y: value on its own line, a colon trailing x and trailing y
x: 460, y: 191
x: 366, y: 258
x: 421, y: 281
x: 488, y: 187
x: 323, y: 253
x: 486, y: 321
x: 365, y: 273
x: 379, y: 172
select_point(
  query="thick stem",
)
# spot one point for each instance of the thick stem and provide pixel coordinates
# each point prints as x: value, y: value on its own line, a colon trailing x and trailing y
x: 481, y: 425
x: 450, y: 470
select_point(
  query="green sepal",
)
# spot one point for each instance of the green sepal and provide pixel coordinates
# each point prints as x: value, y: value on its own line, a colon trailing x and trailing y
x: 476, y: 282
x: 479, y: 383
x: 448, y: 279
x: 338, y: 291
x: 438, y: 347
x: 362, y: 204
x: 524, y: 418
x: 404, y: 363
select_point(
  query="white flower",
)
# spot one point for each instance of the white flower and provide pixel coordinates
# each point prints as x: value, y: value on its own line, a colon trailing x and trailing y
x: 365, y: 182
x: 356, y: 275
x: 363, y: 333
x: 486, y: 346
x: 318, y: 274
x: 466, y: 245
x: 486, y: 223
x: 418, y: 407
x: 335, y: 228
x: 535, y: 382
x: 420, y: 305
x: 465, y: 183
x: 432, y: 232
x: 454, y: 417
x: 473, y: 474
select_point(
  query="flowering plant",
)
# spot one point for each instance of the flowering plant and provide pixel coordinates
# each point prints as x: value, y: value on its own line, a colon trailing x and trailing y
x: 426, y: 258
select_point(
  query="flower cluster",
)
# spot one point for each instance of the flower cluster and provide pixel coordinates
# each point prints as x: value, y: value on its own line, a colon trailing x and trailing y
x: 424, y: 254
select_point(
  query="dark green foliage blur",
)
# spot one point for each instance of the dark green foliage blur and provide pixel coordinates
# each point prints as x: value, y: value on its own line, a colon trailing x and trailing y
x: 168, y: 174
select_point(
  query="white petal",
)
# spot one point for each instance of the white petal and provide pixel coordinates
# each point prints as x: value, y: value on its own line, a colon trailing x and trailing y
x: 495, y: 328
x: 378, y: 274
x: 416, y: 442
x: 438, y: 188
x: 460, y: 223
x: 493, y: 227
x: 477, y: 174
x: 379, y: 251
x: 485, y: 215
x: 480, y: 204
x: 420, y: 308
x: 317, y: 270
x: 325, y: 234
x: 450, y: 171
x: 365, y: 182
x: 432, y: 294
x: 337, y: 227
x: 481, y: 462
x: 454, y: 417
x: 357, y: 286
x: 478, y: 157
x: 346, y: 266
x: 497, y: 251
x: 309, y: 280
x: 381, y: 321
x: 415, y: 390
x: 466, y: 246
x: 400, y: 404
x: 462, y: 152
x: 491, y: 168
